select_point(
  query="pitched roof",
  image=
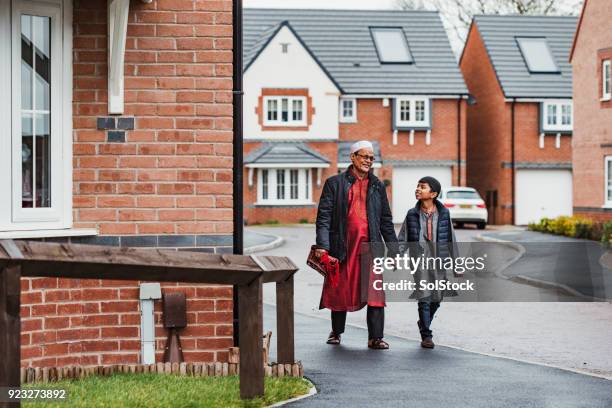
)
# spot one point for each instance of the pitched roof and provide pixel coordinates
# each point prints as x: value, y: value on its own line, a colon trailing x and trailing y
x: 341, y: 42
x: 286, y: 152
x: 499, y: 35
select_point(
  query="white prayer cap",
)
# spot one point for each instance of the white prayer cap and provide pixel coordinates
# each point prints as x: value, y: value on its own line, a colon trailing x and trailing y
x: 363, y: 144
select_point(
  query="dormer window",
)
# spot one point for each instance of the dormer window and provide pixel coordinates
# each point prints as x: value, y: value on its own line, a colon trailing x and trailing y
x: 391, y: 45
x: 537, y: 55
x: 557, y: 116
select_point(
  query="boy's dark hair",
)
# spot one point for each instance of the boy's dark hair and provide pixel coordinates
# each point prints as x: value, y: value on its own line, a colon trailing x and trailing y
x: 434, y: 184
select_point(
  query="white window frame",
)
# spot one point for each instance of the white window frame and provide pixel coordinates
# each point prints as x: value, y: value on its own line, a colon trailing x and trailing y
x: 412, y: 122
x: 59, y: 215
x: 304, y: 186
x: 558, y: 127
x: 348, y: 118
x: 607, y: 181
x: 606, y: 80
x: 290, y: 122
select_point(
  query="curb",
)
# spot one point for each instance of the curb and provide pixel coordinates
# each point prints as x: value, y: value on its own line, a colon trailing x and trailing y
x: 277, y: 241
x: 311, y: 392
x: 538, y: 283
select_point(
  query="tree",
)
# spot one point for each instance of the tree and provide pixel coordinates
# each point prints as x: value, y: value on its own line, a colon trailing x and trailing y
x: 457, y: 14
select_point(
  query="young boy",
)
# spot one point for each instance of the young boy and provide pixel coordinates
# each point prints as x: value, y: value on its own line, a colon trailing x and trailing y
x: 428, y: 230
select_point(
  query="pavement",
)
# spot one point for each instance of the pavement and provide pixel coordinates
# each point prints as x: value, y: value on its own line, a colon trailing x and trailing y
x: 255, y: 241
x: 570, y: 263
x: 408, y: 376
x: 560, y: 330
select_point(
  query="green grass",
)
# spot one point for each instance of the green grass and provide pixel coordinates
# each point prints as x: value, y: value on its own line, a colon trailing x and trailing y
x: 154, y: 390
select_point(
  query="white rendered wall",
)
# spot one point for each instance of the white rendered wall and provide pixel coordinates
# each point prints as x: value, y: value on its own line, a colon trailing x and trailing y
x: 295, y: 69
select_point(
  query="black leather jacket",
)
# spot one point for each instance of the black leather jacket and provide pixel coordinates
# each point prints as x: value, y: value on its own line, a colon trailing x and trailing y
x: 333, y: 212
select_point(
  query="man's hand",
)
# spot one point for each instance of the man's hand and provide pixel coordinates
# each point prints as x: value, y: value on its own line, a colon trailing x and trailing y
x: 319, y: 252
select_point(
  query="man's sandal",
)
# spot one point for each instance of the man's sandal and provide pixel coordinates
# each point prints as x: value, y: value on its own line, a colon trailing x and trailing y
x: 378, y: 344
x: 333, y: 338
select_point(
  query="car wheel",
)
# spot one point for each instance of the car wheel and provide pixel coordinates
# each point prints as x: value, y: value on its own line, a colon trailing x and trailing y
x: 482, y: 225
x: 459, y: 225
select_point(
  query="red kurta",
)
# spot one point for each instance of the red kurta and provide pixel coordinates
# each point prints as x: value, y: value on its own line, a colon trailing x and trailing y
x: 347, y: 296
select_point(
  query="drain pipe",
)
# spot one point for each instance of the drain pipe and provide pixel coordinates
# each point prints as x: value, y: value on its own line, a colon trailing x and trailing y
x: 238, y: 242
x: 149, y: 292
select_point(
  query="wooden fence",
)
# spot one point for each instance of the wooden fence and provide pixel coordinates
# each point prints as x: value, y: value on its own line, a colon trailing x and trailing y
x: 248, y: 273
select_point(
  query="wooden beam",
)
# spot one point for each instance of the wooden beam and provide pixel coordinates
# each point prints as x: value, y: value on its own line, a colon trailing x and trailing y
x: 285, y: 322
x: 10, y: 341
x: 46, y: 259
x: 251, y: 348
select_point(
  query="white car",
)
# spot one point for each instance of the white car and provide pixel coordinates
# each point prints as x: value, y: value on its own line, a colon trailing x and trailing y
x: 465, y: 206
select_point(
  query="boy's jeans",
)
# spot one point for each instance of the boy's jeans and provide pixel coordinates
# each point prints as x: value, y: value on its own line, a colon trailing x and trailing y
x: 427, y: 310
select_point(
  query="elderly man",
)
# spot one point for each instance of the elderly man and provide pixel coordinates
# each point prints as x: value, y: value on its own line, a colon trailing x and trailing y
x: 354, y: 210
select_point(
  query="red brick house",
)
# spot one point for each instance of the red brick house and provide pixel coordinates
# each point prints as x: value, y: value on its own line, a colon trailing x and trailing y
x: 116, y: 129
x: 591, y: 59
x: 318, y: 80
x: 520, y: 127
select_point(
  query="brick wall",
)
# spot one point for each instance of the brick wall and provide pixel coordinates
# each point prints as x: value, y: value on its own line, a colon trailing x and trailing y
x: 166, y: 182
x: 592, y: 139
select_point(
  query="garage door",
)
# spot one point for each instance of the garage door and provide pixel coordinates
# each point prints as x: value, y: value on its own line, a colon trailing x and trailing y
x: 404, y: 183
x: 542, y: 193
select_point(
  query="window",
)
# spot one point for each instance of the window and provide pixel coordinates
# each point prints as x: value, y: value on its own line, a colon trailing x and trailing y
x: 557, y: 116
x: 606, y: 85
x: 412, y: 113
x: 35, y: 160
x: 284, y: 186
x: 348, y: 110
x: 537, y: 55
x: 285, y: 111
x: 608, y: 172
x: 391, y: 45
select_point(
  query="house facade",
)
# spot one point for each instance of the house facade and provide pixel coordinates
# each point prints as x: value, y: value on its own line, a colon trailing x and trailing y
x: 318, y: 80
x: 591, y: 60
x: 520, y: 128
x: 116, y: 129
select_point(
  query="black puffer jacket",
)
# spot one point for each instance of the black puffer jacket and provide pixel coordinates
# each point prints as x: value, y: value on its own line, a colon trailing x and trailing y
x: 333, y: 212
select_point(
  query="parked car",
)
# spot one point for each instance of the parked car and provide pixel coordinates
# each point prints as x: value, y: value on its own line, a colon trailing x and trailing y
x: 465, y: 206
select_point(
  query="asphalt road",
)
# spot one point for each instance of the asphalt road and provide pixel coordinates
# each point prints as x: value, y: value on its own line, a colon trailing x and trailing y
x: 547, y: 330
x: 574, y: 263
x: 350, y: 375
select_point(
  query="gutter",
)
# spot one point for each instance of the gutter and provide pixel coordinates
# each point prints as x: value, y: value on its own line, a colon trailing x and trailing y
x: 513, y: 162
x: 459, y: 141
x: 238, y: 216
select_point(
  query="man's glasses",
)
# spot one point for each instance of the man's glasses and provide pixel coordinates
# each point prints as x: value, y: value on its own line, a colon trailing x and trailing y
x: 365, y: 157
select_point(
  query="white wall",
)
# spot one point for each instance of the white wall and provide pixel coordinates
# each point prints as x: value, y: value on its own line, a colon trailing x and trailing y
x: 295, y: 69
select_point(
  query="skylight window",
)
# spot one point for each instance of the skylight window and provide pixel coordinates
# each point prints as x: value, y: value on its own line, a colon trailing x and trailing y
x: 537, y: 55
x: 391, y: 45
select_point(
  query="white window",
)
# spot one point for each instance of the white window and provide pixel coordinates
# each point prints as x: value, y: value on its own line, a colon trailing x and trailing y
x: 35, y: 115
x: 348, y: 110
x: 412, y: 112
x: 537, y: 55
x: 391, y: 45
x: 606, y: 85
x: 608, y: 172
x: 557, y: 116
x: 285, y: 111
x: 284, y: 186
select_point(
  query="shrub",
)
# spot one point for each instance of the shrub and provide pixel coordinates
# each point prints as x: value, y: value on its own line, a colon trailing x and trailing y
x: 606, y: 236
x: 273, y: 222
x: 304, y: 221
x: 576, y: 227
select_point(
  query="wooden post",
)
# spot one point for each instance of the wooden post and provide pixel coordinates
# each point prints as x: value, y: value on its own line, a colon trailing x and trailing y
x: 10, y: 340
x: 251, y: 348
x: 284, y: 321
